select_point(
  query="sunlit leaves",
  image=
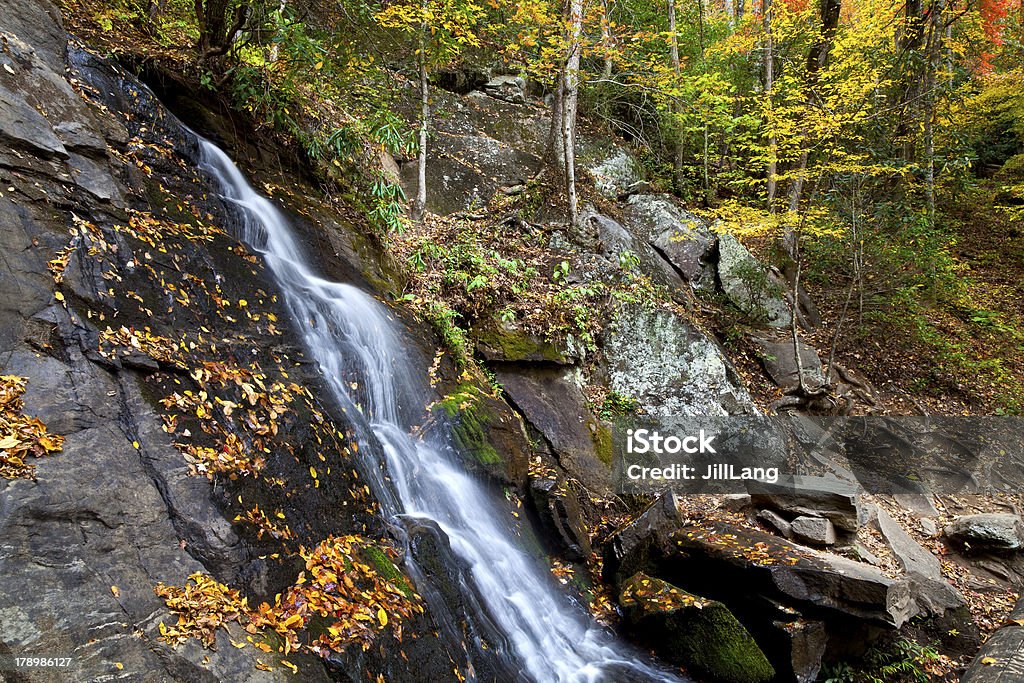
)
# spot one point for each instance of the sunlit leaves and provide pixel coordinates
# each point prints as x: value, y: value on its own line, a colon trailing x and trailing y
x: 21, y: 436
x: 349, y: 592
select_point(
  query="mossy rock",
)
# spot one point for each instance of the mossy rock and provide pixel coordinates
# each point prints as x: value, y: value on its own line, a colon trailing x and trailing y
x: 387, y: 569
x: 604, y: 446
x: 499, y: 343
x: 702, y: 635
x: 488, y: 432
x: 470, y: 419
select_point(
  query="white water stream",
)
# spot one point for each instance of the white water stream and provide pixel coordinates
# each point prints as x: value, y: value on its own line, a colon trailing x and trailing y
x: 357, y: 344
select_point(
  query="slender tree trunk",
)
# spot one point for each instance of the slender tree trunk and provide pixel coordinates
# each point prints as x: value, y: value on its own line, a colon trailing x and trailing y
x: 570, y: 97
x: 730, y: 12
x: 607, y: 38
x: 673, y: 58
x: 554, y: 148
x: 769, y: 85
x: 817, y: 59
x: 420, y: 205
x: 274, y: 48
x: 934, y: 47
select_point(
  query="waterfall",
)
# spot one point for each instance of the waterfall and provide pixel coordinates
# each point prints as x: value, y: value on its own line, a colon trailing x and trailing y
x: 356, y: 342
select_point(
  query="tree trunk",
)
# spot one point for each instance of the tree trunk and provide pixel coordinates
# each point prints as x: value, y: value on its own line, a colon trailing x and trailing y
x: 215, y: 36
x: 934, y: 47
x: 817, y: 59
x: 607, y: 38
x: 554, y: 148
x: 420, y: 205
x: 676, y: 109
x: 769, y: 84
x: 570, y: 97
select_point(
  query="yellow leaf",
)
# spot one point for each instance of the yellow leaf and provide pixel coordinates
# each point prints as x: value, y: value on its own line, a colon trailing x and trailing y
x: 135, y: 445
x: 115, y: 590
x: 382, y: 616
x: 119, y: 665
x: 291, y: 666
x: 59, y: 296
x: 8, y: 442
x: 312, y: 471
x: 988, y: 661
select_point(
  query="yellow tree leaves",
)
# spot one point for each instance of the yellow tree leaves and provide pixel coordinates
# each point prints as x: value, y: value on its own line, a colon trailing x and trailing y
x: 144, y: 341
x: 349, y: 593
x: 203, y: 605
x: 21, y: 436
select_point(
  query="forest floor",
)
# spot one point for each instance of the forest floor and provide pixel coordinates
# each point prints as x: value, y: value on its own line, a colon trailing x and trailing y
x: 959, y: 350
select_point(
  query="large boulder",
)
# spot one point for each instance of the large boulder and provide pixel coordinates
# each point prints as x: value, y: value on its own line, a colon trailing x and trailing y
x: 702, y: 635
x: 644, y: 542
x: 613, y: 169
x: 479, y: 147
x: 620, y: 246
x: 989, y: 531
x: 669, y: 366
x: 715, y: 558
x: 551, y: 400
x: 500, y: 342
x: 681, y: 238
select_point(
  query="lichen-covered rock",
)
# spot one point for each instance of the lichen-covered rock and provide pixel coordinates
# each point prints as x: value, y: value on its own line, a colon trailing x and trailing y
x: 990, y: 531
x: 702, y: 635
x: 614, y: 170
x: 669, y: 366
x: 480, y: 144
x: 681, y: 238
x: 749, y: 286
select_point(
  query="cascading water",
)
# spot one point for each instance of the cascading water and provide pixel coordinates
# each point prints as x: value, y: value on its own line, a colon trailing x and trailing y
x: 356, y: 343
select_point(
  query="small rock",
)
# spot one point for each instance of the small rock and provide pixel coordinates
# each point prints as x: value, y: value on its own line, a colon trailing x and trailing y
x: 866, y: 555
x: 989, y: 531
x: 776, y: 522
x: 817, y: 530
x: 929, y: 526
x: 735, y: 501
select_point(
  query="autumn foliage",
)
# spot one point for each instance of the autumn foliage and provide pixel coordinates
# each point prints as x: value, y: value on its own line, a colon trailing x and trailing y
x: 21, y: 436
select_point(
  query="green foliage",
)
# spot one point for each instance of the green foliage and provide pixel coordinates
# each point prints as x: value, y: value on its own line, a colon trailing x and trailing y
x: 901, y: 661
x: 617, y: 405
